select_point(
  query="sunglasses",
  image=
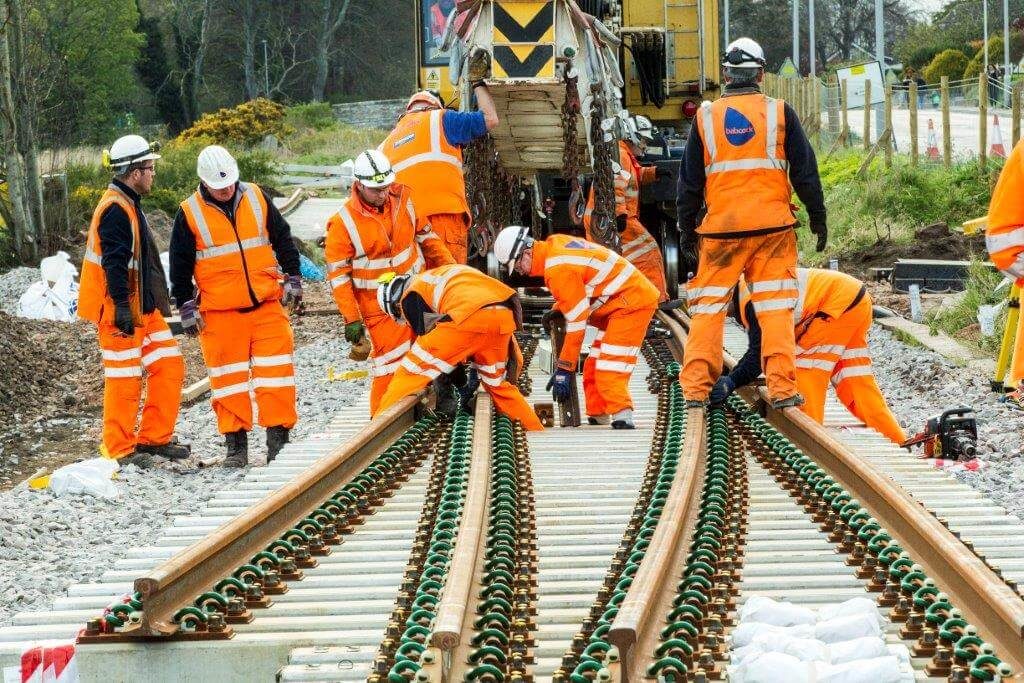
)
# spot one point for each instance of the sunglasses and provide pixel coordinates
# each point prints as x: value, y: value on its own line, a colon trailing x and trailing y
x: 738, y: 56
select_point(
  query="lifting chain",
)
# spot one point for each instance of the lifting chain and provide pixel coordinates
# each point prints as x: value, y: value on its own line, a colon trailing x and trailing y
x: 602, y: 225
x: 571, y: 151
x: 493, y: 195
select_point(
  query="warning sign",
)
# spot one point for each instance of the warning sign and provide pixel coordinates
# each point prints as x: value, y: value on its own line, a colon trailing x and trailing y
x: 433, y: 79
x: 788, y: 69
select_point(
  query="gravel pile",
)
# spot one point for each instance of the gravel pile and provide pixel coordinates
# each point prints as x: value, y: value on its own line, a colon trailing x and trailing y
x: 918, y: 383
x: 13, y: 284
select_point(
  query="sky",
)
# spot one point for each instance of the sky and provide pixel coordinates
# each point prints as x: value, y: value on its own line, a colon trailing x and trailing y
x: 926, y: 5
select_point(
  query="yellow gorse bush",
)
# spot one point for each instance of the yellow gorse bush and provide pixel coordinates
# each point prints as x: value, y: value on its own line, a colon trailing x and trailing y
x: 248, y: 124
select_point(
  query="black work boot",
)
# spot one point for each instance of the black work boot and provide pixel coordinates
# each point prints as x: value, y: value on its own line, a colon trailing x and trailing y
x: 143, y: 461
x: 277, y: 437
x: 172, y: 450
x: 238, y: 449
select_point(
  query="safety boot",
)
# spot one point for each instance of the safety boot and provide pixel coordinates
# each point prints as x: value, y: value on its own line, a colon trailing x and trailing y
x: 788, y: 402
x: 238, y: 449
x: 277, y: 437
x: 599, y: 419
x: 623, y: 420
x: 446, y: 403
x: 143, y: 461
x: 172, y: 450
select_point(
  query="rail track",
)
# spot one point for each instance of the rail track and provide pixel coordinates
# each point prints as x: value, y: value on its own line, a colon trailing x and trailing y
x: 406, y: 548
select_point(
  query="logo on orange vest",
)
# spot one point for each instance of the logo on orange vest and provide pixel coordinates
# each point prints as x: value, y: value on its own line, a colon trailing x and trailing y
x: 579, y: 244
x: 738, y: 128
x: 401, y: 141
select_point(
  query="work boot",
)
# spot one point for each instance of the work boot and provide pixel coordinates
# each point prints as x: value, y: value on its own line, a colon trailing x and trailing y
x: 172, y: 450
x: 788, y: 402
x: 467, y: 392
x: 277, y: 437
x: 623, y: 420
x: 238, y: 449
x: 599, y: 419
x: 143, y: 461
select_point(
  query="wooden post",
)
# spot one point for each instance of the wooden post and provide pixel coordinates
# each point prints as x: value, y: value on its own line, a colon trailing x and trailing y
x: 947, y: 140
x: 867, y: 115
x: 845, y: 132
x: 1015, y: 115
x: 912, y: 103
x: 982, y: 120
x: 888, y: 125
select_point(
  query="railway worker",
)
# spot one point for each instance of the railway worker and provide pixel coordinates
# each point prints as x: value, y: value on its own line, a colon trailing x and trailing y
x: 425, y: 149
x: 1004, y: 238
x: 743, y: 159
x: 458, y: 314
x: 378, y: 230
x: 231, y: 239
x: 124, y: 292
x: 832, y: 318
x: 638, y: 247
x: 591, y: 285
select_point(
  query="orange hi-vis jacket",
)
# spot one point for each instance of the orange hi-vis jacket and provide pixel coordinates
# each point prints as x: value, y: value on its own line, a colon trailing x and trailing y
x: 94, y: 302
x: 585, y: 279
x: 424, y: 160
x: 458, y: 291
x: 363, y: 244
x: 629, y: 176
x: 747, y: 175
x: 1004, y: 236
x: 820, y: 293
x: 233, y: 256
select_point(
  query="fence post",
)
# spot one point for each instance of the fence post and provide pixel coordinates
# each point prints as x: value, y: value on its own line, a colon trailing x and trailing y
x: 888, y: 126
x: 867, y: 115
x: 947, y: 141
x: 983, y: 120
x: 912, y: 106
x: 1015, y: 117
x: 845, y: 132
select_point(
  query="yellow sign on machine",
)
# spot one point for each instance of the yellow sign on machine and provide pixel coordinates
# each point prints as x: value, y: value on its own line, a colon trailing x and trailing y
x: 523, y: 39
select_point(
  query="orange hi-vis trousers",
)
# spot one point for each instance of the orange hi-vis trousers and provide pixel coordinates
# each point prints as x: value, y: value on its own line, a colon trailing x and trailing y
x: 769, y: 264
x: 250, y: 350
x: 837, y: 349
x: 453, y: 229
x: 151, y: 349
x: 485, y: 339
x: 391, y: 341
x: 612, y: 358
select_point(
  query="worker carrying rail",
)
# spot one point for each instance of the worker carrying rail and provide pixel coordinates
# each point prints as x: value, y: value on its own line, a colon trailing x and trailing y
x: 740, y: 159
x: 638, y: 247
x: 591, y: 285
x: 425, y: 150
x: 1004, y: 238
x: 379, y: 230
x: 457, y: 314
x: 123, y: 291
x: 831, y: 320
x: 233, y: 242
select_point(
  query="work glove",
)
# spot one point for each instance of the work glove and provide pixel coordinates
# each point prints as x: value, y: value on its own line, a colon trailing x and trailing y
x: 354, y: 331
x: 191, y: 321
x: 124, y: 321
x: 292, y: 292
x: 620, y: 223
x: 723, y: 387
x: 479, y: 65
x: 560, y: 385
x: 821, y: 230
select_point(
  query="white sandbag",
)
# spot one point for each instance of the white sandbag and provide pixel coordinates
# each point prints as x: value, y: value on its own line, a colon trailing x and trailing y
x: 55, y: 296
x: 772, y: 667
x: 744, y: 634
x: 764, y: 610
x: 812, y: 650
x: 849, y: 608
x: 877, y: 670
x: 847, y: 628
x: 90, y: 477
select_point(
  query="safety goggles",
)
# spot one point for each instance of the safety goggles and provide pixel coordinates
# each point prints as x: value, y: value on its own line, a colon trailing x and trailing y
x: 737, y: 56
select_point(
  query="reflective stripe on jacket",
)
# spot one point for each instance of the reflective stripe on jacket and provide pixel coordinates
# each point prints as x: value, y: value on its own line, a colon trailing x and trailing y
x: 819, y: 293
x: 1004, y: 235
x: 458, y: 292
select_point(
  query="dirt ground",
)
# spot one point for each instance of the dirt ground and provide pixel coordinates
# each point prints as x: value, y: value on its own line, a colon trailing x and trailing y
x: 934, y: 241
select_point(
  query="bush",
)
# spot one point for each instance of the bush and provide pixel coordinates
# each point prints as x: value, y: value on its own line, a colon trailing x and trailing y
x: 314, y: 115
x: 248, y: 124
x: 333, y: 145
x: 949, y: 63
x: 995, y: 54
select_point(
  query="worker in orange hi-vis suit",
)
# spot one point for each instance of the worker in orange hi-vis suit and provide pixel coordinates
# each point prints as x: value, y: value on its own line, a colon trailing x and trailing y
x: 744, y: 158
x: 831, y: 320
x: 591, y: 285
x: 638, y: 246
x: 1004, y: 238
x: 378, y: 230
x: 457, y: 313
x: 425, y: 149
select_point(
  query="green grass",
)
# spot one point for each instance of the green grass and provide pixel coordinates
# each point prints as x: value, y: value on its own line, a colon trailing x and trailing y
x: 961, y: 321
x: 330, y: 145
x: 906, y: 337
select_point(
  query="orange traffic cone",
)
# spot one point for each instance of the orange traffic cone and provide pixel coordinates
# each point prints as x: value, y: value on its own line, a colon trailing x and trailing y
x: 933, y: 143
x: 997, y: 149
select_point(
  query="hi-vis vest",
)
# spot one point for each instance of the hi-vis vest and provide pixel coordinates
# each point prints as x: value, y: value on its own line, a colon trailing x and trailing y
x: 459, y: 291
x: 1004, y: 234
x: 94, y: 302
x: 828, y: 292
x: 747, y: 175
x: 231, y: 256
x: 424, y: 160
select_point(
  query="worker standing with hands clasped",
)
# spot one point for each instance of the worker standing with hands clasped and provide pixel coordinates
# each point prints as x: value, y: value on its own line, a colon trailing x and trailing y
x: 378, y: 230
x: 457, y: 314
x: 425, y: 150
x: 123, y: 291
x: 743, y: 159
x: 831, y: 320
x: 235, y: 244
x: 1004, y: 238
x: 591, y: 285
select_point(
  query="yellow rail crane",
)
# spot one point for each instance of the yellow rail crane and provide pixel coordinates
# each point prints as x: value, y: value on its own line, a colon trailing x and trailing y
x: 563, y: 75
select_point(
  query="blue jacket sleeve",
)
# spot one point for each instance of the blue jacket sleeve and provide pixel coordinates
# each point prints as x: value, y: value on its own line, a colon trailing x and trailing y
x: 463, y: 127
x: 690, y: 189
x: 803, y: 168
x: 748, y: 368
x: 115, y: 233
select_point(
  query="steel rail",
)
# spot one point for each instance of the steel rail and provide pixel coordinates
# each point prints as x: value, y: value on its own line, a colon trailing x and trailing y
x: 177, y: 581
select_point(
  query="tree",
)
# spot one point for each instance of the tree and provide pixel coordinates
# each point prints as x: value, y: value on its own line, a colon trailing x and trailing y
x: 922, y: 42
x: 948, y: 63
x: 333, y: 14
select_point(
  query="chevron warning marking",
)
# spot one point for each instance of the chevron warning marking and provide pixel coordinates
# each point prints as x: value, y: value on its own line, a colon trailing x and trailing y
x: 524, y: 61
x: 524, y: 22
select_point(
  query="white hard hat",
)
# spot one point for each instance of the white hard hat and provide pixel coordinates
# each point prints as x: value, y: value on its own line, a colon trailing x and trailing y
x: 389, y: 294
x: 643, y: 128
x: 131, y: 149
x: 217, y: 168
x: 373, y: 169
x: 510, y: 244
x: 744, y: 53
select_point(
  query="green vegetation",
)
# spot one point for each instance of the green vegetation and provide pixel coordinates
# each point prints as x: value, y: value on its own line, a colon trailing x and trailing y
x: 949, y: 63
x: 961, y: 319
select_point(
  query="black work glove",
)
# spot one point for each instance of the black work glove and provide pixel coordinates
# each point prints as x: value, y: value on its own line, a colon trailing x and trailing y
x: 620, y: 223
x: 124, y: 321
x: 723, y: 387
x: 458, y: 376
x: 821, y: 230
x: 560, y: 383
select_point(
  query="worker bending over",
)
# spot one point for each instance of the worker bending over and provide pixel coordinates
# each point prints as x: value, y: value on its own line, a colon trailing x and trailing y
x: 425, y: 149
x: 638, y: 247
x: 831, y: 319
x: 740, y: 159
x: 379, y: 230
x: 457, y: 314
x: 591, y: 285
x: 233, y: 242
x: 123, y: 291
x: 1004, y: 238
